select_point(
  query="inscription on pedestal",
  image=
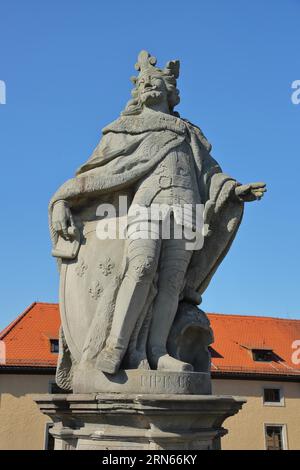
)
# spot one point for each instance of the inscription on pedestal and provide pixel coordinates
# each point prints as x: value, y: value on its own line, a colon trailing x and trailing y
x: 142, y: 381
x: 157, y: 381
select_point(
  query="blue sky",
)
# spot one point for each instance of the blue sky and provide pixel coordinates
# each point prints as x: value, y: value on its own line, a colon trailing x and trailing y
x: 66, y: 65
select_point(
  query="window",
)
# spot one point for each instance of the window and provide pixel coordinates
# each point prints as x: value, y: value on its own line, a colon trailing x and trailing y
x: 263, y: 355
x: 54, y: 348
x: 214, y: 353
x: 274, y: 437
x: 54, y: 388
x: 272, y: 395
x: 49, y: 439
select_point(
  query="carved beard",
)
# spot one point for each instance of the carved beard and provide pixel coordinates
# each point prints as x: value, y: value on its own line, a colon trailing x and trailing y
x: 151, y: 97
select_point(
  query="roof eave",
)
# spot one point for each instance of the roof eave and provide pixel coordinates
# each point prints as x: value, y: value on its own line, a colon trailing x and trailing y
x: 250, y: 375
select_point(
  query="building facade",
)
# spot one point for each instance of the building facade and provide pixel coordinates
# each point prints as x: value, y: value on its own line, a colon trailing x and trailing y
x: 253, y: 357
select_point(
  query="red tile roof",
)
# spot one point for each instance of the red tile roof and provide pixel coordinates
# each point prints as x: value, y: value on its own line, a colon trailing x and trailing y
x: 27, y: 341
x: 27, y: 338
x: 237, y: 335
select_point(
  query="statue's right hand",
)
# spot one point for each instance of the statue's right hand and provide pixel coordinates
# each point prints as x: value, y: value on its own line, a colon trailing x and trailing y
x: 62, y: 219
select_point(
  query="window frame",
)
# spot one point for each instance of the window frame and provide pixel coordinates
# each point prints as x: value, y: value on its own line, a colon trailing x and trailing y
x: 283, y: 434
x: 51, y: 341
x: 273, y: 403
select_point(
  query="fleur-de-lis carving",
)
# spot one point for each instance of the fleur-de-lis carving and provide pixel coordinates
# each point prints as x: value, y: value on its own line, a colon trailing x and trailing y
x: 95, y: 290
x: 106, y: 266
x: 81, y: 268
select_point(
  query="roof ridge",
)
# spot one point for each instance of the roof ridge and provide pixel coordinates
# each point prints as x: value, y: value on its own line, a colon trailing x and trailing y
x: 11, y: 325
x: 259, y: 317
x: 46, y: 303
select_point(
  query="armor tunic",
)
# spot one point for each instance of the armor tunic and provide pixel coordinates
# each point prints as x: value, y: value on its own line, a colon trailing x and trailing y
x: 172, y: 185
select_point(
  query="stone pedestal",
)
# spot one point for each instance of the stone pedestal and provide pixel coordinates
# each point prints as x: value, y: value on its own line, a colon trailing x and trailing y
x: 115, y: 421
x: 91, y: 380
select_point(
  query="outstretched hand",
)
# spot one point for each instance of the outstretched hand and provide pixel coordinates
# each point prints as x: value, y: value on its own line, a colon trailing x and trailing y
x: 250, y: 192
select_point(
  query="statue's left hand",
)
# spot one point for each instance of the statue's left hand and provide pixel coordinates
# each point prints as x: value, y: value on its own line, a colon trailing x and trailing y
x: 250, y: 192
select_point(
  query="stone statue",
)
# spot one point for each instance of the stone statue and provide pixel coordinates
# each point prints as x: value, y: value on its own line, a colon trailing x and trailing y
x: 129, y: 305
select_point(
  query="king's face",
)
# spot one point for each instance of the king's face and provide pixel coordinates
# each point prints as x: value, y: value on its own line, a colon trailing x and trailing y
x: 152, y: 89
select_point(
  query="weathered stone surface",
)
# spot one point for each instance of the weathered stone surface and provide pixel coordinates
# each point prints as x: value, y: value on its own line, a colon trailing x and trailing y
x: 141, y: 381
x: 138, y: 421
x: 130, y: 302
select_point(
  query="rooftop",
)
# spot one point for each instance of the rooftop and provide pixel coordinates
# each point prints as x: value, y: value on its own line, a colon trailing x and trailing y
x: 27, y: 341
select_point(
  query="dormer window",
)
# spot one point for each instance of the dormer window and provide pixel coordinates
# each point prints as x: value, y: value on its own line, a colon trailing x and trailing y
x: 54, y: 347
x: 263, y: 355
x: 214, y: 353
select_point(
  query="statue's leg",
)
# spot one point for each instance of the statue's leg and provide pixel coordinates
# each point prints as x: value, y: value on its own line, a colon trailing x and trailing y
x: 172, y: 270
x: 142, y: 261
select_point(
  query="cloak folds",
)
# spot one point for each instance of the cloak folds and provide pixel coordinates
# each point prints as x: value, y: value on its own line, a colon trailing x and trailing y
x: 129, y: 149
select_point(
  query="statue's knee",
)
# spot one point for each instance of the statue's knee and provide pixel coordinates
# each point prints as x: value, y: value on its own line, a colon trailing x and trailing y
x: 142, y: 268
